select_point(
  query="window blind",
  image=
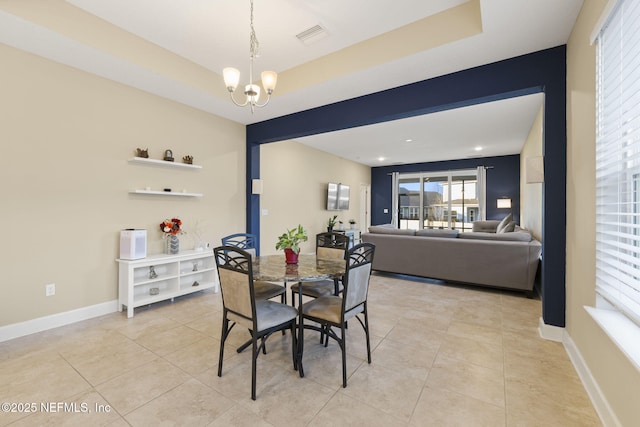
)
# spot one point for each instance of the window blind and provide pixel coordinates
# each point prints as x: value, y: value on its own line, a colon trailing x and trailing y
x: 618, y: 160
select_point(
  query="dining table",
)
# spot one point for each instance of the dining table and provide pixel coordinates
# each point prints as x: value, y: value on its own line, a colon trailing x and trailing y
x: 310, y: 268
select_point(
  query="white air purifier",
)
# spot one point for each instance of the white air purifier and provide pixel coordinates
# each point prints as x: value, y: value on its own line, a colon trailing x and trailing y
x: 133, y: 244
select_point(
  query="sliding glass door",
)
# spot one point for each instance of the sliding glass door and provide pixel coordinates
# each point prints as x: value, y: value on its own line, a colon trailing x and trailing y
x: 435, y: 193
x: 464, y: 200
x: 410, y: 202
x: 438, y: 200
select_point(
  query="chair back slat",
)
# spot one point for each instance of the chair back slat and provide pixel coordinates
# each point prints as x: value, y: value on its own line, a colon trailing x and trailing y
x: 234, y: 271
x: 329, y: 253
x: 358, y: 286
x: 240, y: 240
x: 235, y: 292
x: 331, y: 245
x: 358, y: 272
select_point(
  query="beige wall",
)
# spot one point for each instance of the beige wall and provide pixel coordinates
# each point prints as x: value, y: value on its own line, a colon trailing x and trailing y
x: 531, y: 194
x: 65, y: 140
x: 295, y: 181
x: 617, y: 378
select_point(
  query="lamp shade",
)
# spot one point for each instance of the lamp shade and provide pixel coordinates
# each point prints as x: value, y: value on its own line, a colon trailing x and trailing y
x: 269, y: 80
x: 231, y: 78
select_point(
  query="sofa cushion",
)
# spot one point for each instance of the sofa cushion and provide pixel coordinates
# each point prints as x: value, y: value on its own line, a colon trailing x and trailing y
x: 390, y: 229
x: 436, y: 232
x: 520, y: 236
x: 507, y: 219
x: 384, y: 225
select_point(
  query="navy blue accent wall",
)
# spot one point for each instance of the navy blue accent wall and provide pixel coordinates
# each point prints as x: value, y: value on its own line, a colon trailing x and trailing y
x: 503, y: 180
x: 253, y: 200
x: 543, y: 71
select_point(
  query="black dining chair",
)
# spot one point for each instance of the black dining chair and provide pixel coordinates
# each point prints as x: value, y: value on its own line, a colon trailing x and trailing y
x: 331, y: 311
x: 329, y: 245
x: 241, y: 306
x: 244, y: 241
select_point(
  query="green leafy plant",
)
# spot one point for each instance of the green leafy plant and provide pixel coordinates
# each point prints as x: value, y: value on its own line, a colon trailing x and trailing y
x: 332, y: 221
x: 292, y: 239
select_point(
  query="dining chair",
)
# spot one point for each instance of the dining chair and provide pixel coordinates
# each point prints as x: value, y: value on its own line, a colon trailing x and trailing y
x: 331, y: 311
x: 247, y: 242
x: 241, y: 306
x: 329, y: 245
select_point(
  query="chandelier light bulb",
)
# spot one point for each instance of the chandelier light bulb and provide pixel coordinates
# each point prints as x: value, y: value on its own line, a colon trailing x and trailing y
x: 269, y: 80
x: 231, y: 78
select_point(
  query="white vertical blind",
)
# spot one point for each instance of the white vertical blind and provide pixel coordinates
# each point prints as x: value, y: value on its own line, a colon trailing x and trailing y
x: 618, y: 160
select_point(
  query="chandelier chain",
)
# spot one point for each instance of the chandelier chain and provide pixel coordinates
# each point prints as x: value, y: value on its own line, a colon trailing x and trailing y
x: 254, y: 45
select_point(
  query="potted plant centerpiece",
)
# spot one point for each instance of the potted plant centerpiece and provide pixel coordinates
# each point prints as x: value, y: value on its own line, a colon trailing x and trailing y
x: 331, y: 223
x: 290, y: 242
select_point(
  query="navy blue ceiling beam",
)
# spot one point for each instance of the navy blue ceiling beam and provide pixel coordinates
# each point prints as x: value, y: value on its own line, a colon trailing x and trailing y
x: 473, y: 86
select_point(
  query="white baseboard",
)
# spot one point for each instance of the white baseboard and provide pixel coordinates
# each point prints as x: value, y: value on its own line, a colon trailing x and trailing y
x: 600, y: 403
x: 40, y: 324
x: 550, y: 332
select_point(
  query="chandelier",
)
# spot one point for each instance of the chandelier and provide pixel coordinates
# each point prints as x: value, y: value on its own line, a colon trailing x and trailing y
x: 251, y: 91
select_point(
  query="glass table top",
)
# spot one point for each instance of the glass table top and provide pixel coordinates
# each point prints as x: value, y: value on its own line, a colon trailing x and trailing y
x: 309, y: 268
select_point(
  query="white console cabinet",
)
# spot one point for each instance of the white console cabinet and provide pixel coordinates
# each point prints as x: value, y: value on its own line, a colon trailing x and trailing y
x: 161, y: 277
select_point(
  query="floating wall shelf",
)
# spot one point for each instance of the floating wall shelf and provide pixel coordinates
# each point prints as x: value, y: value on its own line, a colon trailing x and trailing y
x: 143, y: 160
x: 165, y: 193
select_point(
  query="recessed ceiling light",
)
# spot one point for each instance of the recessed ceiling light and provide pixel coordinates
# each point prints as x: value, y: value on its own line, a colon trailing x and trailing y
x: 408, y: 140
x: 478, y: 148
x: 381, y: 159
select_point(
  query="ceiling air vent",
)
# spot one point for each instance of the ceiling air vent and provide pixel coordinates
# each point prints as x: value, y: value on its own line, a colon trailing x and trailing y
x: 312, y: 35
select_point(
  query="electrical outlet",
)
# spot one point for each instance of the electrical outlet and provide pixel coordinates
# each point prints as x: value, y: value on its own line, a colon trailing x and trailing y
x: 50, y: 289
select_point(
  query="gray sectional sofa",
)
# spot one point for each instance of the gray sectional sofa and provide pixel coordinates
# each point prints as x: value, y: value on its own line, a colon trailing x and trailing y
x: 490, y: 255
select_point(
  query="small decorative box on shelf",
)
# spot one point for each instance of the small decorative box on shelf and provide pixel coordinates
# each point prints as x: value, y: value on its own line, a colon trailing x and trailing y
x: 162, y: 277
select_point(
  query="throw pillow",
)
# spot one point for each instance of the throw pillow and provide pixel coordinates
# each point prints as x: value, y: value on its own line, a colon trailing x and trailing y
x: 507, y: 219
x: 509, y: 228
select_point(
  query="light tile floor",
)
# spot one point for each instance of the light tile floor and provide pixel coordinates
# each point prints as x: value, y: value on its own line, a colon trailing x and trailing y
x: 442, y: 355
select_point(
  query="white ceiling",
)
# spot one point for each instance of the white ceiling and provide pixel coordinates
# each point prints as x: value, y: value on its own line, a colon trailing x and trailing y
x: 492, y: 129
x: 177, y: 49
